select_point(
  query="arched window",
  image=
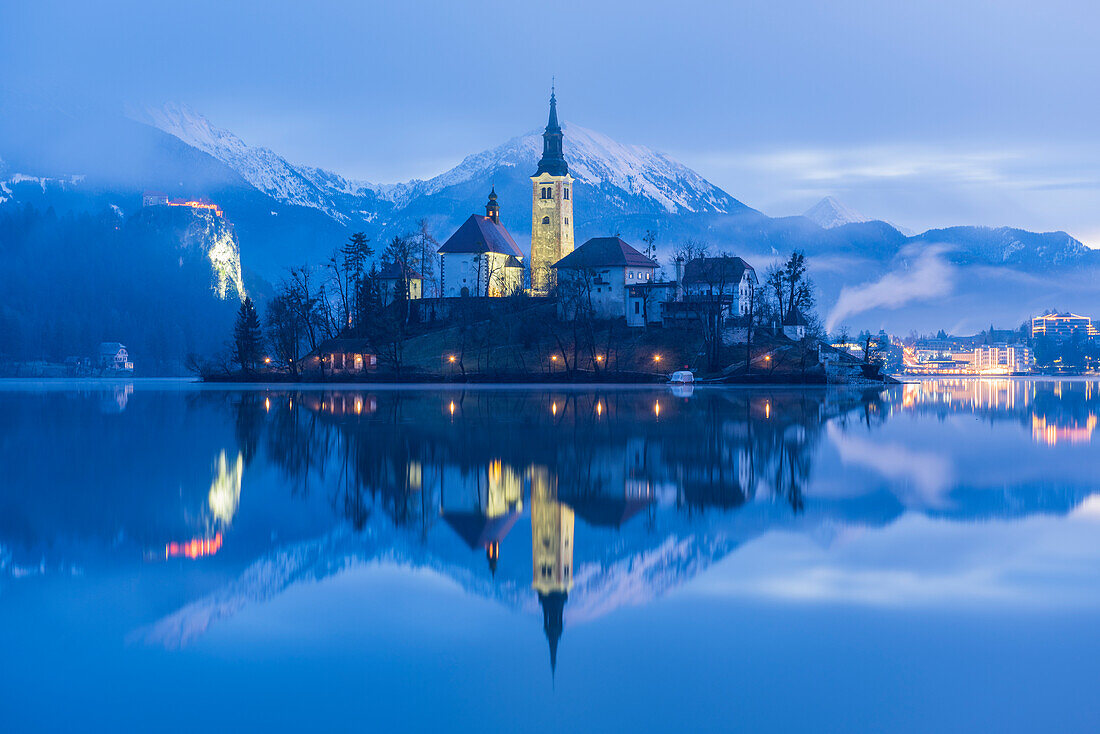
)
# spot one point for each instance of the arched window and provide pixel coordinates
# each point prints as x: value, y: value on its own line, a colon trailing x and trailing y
x: 565, y: 193
x: 546, y: 220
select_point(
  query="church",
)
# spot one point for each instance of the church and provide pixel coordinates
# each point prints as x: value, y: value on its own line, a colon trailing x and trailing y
x: 482, y: 259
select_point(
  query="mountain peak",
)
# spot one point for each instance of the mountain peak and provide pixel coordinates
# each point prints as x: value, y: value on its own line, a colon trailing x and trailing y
x: 829, y: 213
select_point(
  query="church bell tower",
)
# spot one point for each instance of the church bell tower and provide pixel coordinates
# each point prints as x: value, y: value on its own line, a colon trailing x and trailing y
x: 551, y: 207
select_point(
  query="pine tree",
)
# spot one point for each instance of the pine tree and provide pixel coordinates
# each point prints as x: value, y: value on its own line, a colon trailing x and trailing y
x: 246, y: 336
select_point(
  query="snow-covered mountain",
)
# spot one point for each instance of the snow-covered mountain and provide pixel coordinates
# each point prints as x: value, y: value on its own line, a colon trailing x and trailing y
x: 633, y: 177
x: 829, y: 213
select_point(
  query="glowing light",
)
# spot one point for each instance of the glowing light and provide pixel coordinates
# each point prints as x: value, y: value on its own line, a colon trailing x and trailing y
x: 657, y: 408
x: 553, y: 408
x: 452, y: 359
x: 194, y: 548
x: 451, y: 407
x: 225, y: 490
x: 267, y: 404
x: 599, y: 408
x: 553, y: 358
x: 267, y: 360
x: 358, y: 405
x: 599, y: 357
x: 656, y: 358
x: 767, y: 409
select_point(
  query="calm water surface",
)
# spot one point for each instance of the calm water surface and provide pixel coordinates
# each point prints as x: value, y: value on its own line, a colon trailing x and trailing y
x: 180, y: 558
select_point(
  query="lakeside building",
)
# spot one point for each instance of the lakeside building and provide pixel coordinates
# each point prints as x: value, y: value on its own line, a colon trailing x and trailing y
x: 728, y: 280
x: 391, y: 279
x: 599, y: 273
x: 114, y: 359
x: 1002, y: 359
x: 340, y: 356
x: 947, y: 359
x: 1063, y: 327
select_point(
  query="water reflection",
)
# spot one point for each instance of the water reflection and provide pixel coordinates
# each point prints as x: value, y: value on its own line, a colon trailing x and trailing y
x: 618, y: 494
x: 1056, y: 410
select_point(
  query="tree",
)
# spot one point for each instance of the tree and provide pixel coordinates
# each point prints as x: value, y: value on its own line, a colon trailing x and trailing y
x: 870, y: 345
x: 401, y: 253
x: 346, y: 267
x: 790, y: 288
x: 284, y: 331
x: 246, y: 336
x: 428, y: 252
x: 308, y: 304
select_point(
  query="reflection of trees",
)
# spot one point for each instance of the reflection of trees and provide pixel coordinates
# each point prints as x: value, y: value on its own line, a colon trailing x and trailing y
x: 607, y: 451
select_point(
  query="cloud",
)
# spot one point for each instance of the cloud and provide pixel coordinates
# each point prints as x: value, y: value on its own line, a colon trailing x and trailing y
x: 930, y: 276
x: 918, y: 479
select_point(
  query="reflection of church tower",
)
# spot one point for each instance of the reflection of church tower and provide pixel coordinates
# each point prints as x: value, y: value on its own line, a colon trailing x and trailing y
x: 551, y: 555
x: 551, y: 207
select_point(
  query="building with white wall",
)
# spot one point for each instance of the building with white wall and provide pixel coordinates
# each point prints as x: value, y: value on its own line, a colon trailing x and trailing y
x: 481, y: 258
x: 599, y: 274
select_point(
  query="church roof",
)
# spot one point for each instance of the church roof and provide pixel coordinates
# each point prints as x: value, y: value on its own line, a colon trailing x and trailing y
x: 553, y: 157
x: 795, y: 318
x: 479, y: 530
x: 600, y: 252
x: 606, y: 511
x: 553, y: 608
x: 481, y: 234
x: 391, y: 271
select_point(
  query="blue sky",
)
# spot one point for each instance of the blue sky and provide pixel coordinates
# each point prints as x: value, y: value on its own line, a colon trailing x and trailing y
x: 925, y: 114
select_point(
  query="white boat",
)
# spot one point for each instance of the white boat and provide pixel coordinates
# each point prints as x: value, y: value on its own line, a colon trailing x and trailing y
x: 682, y: 377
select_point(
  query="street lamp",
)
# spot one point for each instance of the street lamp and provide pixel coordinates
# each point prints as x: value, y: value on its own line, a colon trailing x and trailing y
x: 451, y: 359
x: 656, y: 358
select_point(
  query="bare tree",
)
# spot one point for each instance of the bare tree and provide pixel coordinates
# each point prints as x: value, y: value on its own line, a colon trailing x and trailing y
x: 427, y: 253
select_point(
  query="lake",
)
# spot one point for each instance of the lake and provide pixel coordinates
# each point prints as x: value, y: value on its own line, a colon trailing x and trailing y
x: 178, y: 557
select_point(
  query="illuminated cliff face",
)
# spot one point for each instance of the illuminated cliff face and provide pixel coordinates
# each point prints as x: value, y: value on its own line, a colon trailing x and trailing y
x: 216, y: 238
x: 225, y: 490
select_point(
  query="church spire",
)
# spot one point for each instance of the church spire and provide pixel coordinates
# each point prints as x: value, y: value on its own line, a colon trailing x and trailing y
x: 553, y: 606
x: 492, y: 209
x: 553, y: 159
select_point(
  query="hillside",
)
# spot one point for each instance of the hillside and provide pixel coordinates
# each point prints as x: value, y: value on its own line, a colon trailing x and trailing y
x: 869, y: 273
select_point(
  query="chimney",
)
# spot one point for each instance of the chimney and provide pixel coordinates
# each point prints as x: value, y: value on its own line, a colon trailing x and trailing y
x: 679, y: 278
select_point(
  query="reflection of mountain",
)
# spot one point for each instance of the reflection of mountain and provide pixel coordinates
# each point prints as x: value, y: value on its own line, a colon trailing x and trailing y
x: 615, y: 501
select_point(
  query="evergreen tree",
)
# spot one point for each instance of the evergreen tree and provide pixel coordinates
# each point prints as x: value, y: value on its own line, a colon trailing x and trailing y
x: 246, y: 336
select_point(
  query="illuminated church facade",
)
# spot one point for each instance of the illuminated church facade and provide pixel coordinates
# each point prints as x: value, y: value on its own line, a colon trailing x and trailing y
x: 482, y: 259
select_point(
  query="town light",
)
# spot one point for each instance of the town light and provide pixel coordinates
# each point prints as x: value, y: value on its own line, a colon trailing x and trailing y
x: 451, y: 407
x: 656, y: 358
x: 599, y: 408
x: 267, y: 360
x: 657, y: 408
x: 452, y: 359
x: 553, y: 358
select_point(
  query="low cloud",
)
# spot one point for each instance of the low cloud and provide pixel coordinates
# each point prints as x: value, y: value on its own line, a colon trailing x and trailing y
x: 929, y: 277
x: 918, y: 479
